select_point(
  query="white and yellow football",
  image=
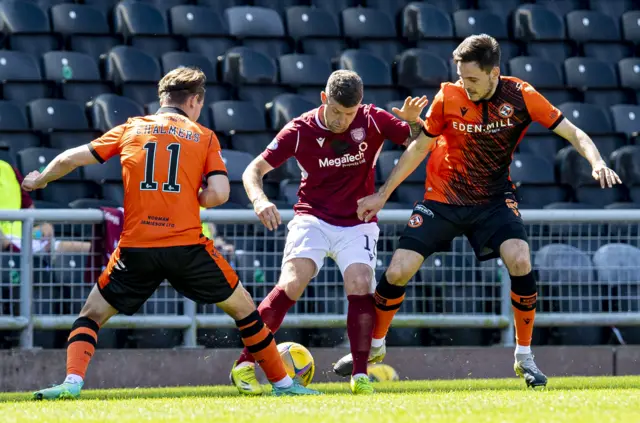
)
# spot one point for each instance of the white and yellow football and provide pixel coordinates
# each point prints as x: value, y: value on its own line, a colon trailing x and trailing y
x: 382, y: 373
x: 298, y: 362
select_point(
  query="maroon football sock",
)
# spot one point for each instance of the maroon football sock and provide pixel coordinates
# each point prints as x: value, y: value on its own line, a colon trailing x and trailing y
x: 361, y: 317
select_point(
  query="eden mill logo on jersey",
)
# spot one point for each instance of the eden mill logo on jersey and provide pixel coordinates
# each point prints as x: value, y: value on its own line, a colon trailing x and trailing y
x: 489, y: 127
x: 346, y: 160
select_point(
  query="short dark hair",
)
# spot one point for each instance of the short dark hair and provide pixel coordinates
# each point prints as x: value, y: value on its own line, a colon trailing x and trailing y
x: 483, y: 49
x: 181, y: 83
x: 345, y: 87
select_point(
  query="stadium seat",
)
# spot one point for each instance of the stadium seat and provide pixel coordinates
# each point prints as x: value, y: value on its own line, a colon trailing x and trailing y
x: 617, y: 267
x: 85, y: 28
x: 430, y: 27
x: 110, y: 110
x: 374, y: 31
x: 165, y: 5
x: 392, y: 8
x: 279, y: 6
x: 176, y: 59
x: 575, y: 171
x: 502, y: 8
x: 244, y: 122
x: 539, y: 72
x: 28, y: 27
x: 64, y: 121
x: 375, y: 74
x: 542, y: 30
x: 306, y: 73
x: 106, y: 7
x: 144, y: 27
x: 76, y: 73
x: 135, y: 73
x: 220, y: 5
x: 21, y: 77
x: 613, y: 8
x: 236, y: 162
x: 630, y: 27
x: 562, y: 7
x: 70, y: 187
x: 419, y: 68
x: 626, y: 119
x: 534, y: 179
x: 599, y: 35
x: 629, y: 71
x: 566, y: 277
x: 14, y: 128
x: 287, y: 107
x: 412, y: 189
x: 101, y: 173
x: 259, y: 28
x: 203, y: 28
x: 470, y: 22
x: 253, y: 73
x: 334, y: 6
x: 626, y: 163
x: 591, y: 118
x: 316, y: 31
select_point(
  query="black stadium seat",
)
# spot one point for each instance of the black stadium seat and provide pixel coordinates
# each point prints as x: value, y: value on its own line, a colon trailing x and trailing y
x: 14, y: 128
x: 165, y: 5
x: 203, y: 28
x: 306, y: 73
x: 279, y: 6
x: 375, y: 74
x: 430, y: 27
x: 599, y: 35
x: 287, y: 107
x: 64, y: 121
x: 630, y: 27
x: 539, y: 72
x: 27, y: 26
x: 76, y: 73
x: 535, y: 182
x: 21, y: 76
x: 374, y: 30
x: 626, y: 119
x: 110, y: 110
x: 629, y: 72
x: 259, y: 28
x: 253, y: 73
x: 244, y: 122
x: 176, y: 59
x: 597, y: 79
x: 144, y: 27
x: 470, y: 22
x: 236, y: 162
x: 626, y: 163
x: 543, y: 31
x: 419, y: 68
x: 614, y: 8
x: 316, y: 31
x: 135, y: 73
x: 85, y: 28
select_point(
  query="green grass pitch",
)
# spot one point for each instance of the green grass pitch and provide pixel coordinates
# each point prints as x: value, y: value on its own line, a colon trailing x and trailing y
x: 566, y: 400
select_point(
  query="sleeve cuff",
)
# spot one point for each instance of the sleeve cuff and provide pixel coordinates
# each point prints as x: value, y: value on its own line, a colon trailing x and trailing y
x: 556, y: 122
x: 427, y: 133
x: 95, y: 154
x: 216, y: 172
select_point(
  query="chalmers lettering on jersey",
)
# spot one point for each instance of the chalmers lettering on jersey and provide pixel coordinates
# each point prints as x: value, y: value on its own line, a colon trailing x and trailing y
x: 336, y: 169
x: 470, y: 161
x: 153, y: 129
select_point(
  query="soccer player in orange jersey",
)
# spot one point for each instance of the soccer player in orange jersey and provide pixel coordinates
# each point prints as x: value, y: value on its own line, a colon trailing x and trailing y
x: 472, y: 129
x: 164, y: 158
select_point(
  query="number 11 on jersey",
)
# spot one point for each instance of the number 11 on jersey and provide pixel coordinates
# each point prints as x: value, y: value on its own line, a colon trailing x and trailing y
x: 149, y: 184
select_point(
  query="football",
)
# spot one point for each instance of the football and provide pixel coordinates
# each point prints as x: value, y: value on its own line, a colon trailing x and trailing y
x: 382, y: 373
x: 298, y: 361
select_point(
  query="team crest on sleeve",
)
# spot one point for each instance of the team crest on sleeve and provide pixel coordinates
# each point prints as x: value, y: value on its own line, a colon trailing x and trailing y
x: 505, y: 110
x: 273, y: 144
x: 415, y: 221
x: 358, y: 134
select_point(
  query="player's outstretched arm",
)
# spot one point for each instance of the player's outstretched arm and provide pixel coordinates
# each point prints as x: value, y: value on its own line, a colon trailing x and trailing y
x: 64, y: 163
x: 216, y: 193
x: 585, y: 146
x: 252, y: 180
x: 369, y: 206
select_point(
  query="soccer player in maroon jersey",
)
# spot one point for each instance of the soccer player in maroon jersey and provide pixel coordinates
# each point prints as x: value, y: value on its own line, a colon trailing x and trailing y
x: 474, y: 126
x: 336, y: 146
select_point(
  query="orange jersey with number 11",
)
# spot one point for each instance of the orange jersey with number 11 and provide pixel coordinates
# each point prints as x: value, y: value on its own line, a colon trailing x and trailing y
x: 164, y: 157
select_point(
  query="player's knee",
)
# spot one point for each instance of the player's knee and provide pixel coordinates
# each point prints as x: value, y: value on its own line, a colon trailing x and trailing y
x: 95, y: 312
x: 397, y: 275
x: 359, y: 284
x: 519, y: 263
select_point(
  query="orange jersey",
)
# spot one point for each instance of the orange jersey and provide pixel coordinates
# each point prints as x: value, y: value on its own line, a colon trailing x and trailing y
x: 164, y: 157
x: 469, y: 163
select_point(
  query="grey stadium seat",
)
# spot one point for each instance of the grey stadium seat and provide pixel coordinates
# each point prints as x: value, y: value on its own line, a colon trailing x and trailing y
x: 135, y: 72
x: 21, y: 76
x: 430, y: 27
x: 306, y: 73
x: 14, y: 128
x: 203, y: 28
x: 259, y: 28
x: 144, y: 27
x: 110, y: 110
x: 255, y: 74
x: 64, y: 121
x: 287, y: 107
x: 535, y: 181
x: 419, y: 68
x: 375, y: 74
x: 27, y: 26
x: 539, y: 72
x: 316, y: 30
x: 374, y: 30
x: 597, y: 79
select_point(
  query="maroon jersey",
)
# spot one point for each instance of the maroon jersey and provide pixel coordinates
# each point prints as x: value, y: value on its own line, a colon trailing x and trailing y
x: 337, y: 169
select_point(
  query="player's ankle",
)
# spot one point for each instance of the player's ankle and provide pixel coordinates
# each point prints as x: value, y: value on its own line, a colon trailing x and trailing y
x: 71, y: 378
x: 285, y: 382
x: 522, y: 349
x: 377, y: 343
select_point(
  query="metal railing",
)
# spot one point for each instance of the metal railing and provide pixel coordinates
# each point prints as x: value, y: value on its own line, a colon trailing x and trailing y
x: 40, y: 290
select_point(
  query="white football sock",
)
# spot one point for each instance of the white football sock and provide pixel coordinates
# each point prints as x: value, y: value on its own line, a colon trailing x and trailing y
x: 521, y: 349
x: 245, y: 364
x: 284, y: 382
x: 377, y: 343
x: 357, y: 375
x: 73, y: 379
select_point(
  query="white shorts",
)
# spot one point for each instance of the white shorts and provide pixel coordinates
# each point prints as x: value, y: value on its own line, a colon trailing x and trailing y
x: 37, y: 245
x: 315, y: 239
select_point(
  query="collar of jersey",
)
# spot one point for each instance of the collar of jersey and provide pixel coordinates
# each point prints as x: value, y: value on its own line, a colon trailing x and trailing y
x: 171, y: 110
x: 496, y: 93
